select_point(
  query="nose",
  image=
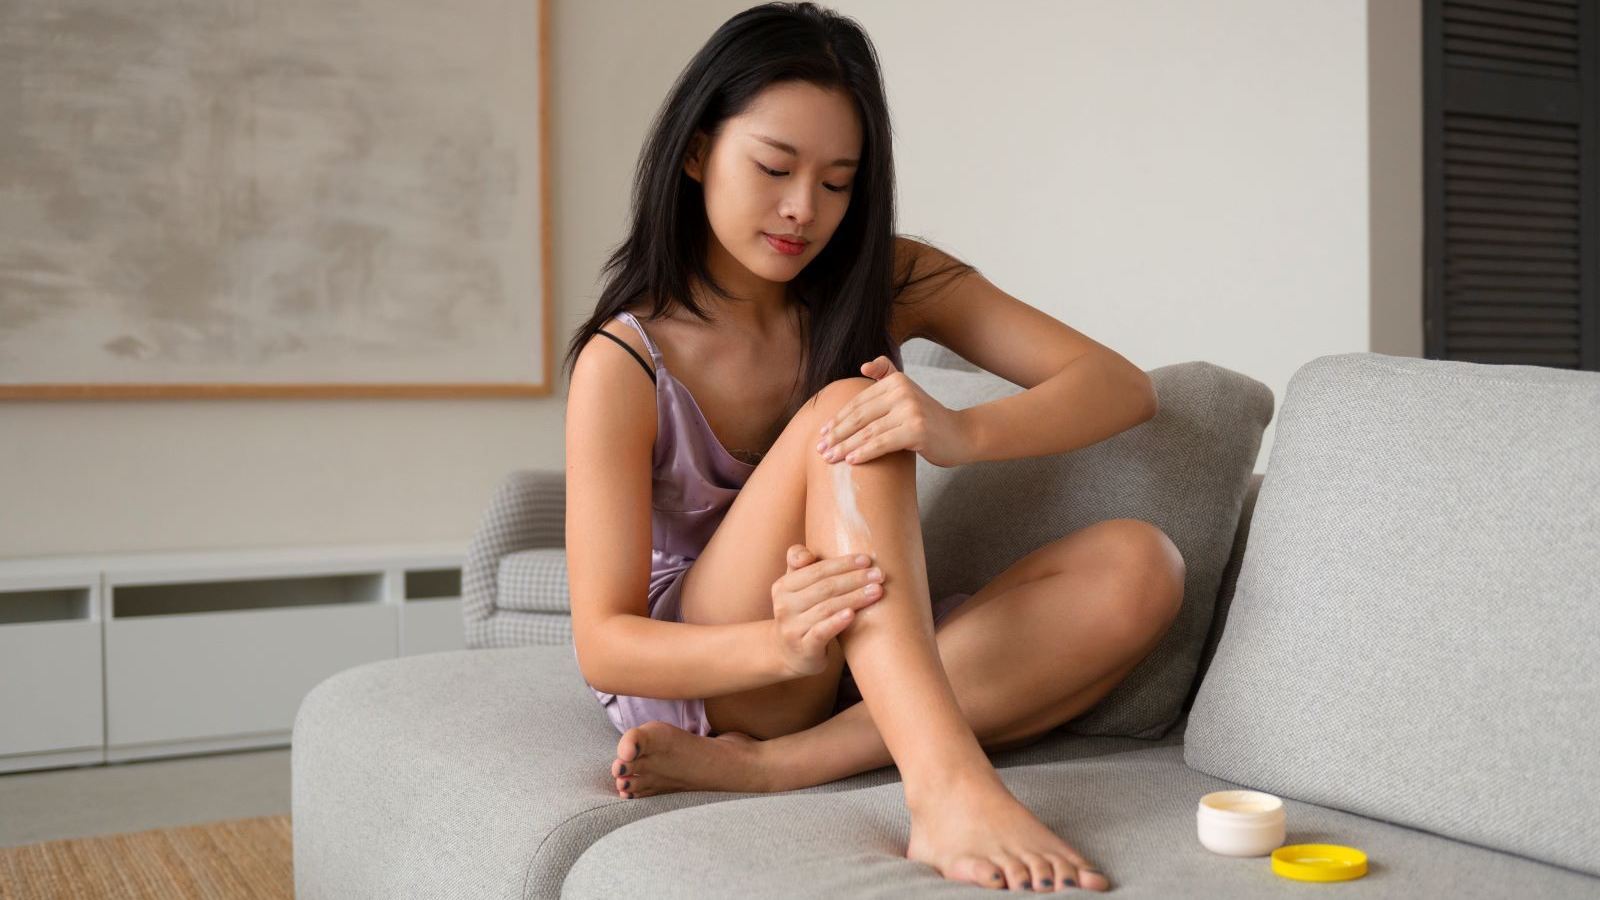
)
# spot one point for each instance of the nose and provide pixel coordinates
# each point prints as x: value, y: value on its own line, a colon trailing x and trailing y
x: 799, y: 206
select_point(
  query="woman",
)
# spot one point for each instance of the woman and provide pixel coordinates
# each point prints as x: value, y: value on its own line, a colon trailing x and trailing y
x: 762, y: 462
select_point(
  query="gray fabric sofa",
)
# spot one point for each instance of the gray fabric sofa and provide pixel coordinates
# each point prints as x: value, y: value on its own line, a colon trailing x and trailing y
x: 483, y: 772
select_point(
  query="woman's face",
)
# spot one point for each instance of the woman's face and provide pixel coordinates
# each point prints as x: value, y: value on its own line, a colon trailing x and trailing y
x: 754, y: 188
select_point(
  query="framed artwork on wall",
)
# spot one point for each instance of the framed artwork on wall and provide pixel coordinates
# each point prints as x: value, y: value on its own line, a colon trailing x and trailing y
x: 322, y: 198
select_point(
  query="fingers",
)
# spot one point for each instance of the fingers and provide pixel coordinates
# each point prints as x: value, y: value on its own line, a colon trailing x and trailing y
x: 817, y: 636
x: 809, y: 573
x: 832, y: 607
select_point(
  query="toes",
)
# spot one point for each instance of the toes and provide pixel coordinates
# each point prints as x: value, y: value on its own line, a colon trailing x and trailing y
x: 977, y: 870
x: 1082, y: 873
x: 1041, y: 875
x: 1017, y: 877
x: 1065, y: 874
x: 630, y: 745
x: 1093, y: 880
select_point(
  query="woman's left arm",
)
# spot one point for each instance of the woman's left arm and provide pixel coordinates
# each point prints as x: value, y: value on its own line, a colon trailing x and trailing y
x: 1078, y: 391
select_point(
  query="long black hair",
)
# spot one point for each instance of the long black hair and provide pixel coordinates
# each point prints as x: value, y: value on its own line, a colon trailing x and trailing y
x: 848, y: 290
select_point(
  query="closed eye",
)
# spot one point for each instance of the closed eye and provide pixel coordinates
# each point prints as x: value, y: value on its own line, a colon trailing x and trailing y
x: 837, y: 190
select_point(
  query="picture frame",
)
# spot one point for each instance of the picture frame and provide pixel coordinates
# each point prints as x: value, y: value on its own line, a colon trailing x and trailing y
x: 336, y: 198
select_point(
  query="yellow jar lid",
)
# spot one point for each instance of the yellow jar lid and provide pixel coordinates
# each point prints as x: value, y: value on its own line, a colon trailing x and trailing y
x: 1319, y: 862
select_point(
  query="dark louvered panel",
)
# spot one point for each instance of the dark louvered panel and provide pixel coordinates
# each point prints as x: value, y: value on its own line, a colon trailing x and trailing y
x: 1512, y: 254
x: 1521, y: 37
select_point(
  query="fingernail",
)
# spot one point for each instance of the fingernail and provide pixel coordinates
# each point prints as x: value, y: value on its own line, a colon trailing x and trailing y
x: 821, y: 445
x: 861, y: 560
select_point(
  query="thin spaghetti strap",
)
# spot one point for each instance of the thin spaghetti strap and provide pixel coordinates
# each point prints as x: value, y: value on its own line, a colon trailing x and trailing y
x: 631, y: 319
x: 632, y: 352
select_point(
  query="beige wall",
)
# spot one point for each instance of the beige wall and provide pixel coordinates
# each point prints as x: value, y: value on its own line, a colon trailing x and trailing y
x: 1181, y: 181
x: 1394, y: 115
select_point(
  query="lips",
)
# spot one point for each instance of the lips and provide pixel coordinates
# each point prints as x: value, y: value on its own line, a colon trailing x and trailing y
x: 787, y: 248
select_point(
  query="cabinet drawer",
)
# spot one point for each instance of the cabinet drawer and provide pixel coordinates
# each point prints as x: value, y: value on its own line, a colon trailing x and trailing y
x: 236, y: 672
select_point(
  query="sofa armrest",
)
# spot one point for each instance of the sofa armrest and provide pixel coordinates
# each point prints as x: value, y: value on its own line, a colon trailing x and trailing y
x: 529, y: 511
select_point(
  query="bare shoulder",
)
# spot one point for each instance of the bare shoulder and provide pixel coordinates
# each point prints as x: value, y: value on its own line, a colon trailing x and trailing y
x: 611, y: 397
x: 610, y: 436
x: 628, y: 334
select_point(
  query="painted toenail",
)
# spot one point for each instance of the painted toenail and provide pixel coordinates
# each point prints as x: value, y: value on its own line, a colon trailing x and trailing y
x: 626, y: 785
x: 1069, y: 882
x: 1045, y: 882
x: 622, y: 769
x: 1026, y: 885
x: 630, y: 796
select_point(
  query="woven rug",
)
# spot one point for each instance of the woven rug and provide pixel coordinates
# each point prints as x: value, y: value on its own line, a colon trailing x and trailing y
x: 237, y: 858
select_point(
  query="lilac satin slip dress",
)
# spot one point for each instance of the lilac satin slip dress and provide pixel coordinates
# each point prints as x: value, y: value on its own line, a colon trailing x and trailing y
x: 693, y: 483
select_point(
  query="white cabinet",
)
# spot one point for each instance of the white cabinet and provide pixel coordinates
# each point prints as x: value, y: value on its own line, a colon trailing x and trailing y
x: 114, y: 658
x: 51, y: 712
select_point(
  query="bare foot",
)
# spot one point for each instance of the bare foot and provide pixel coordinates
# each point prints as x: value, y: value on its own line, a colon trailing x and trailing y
x: 974, y: 830
x: 658, y: 758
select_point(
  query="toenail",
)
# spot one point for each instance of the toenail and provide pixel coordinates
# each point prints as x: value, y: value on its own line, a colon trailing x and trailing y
x: 626, y: 785
x: 622, y: 769
x: 1026, y: 885
x: 1069, y: 882
x: 629, y: 795
x: 1044, y: 882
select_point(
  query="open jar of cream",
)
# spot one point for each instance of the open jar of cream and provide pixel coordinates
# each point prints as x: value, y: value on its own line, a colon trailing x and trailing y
x: 1240, y: 823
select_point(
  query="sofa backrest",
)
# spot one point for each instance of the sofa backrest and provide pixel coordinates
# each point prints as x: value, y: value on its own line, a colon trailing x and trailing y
x: 1184, y: 471
x: 1230, y: 580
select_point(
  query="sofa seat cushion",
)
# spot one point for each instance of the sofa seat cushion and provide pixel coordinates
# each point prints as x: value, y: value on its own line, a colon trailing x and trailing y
x: 479, y: 773
x: 1414, y: 629
x: 1131, y: 813
x: 471, y: 773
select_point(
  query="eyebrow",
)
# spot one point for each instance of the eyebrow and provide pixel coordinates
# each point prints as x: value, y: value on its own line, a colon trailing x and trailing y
x: 774, y: 142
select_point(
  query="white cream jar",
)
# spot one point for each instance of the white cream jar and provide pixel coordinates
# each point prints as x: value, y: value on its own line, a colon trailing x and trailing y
x: 1241, y: 823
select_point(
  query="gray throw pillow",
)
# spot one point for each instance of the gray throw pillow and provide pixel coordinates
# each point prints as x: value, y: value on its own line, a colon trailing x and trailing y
x: 1184, y: 471
x: 1414, y: 632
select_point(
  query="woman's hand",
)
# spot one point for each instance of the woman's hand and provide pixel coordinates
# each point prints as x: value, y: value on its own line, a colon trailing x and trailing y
x: 815, y: 600
x: 894, y: 414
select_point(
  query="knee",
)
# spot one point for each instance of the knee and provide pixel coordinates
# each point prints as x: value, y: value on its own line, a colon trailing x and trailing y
x: 837, y: 393
x: 1149, y: 572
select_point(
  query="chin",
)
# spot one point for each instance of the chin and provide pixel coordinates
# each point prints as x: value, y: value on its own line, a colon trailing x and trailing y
x: 780, y: 269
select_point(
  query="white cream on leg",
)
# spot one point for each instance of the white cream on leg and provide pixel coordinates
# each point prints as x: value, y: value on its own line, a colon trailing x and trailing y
x: 850, y: 529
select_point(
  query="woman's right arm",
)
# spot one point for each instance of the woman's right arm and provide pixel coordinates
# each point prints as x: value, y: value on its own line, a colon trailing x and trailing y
x: 610, y: 433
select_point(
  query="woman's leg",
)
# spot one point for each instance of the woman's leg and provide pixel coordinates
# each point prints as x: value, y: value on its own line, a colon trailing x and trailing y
x: 964, y: 822
x: 731, y: 581
x: 1036, y: 647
